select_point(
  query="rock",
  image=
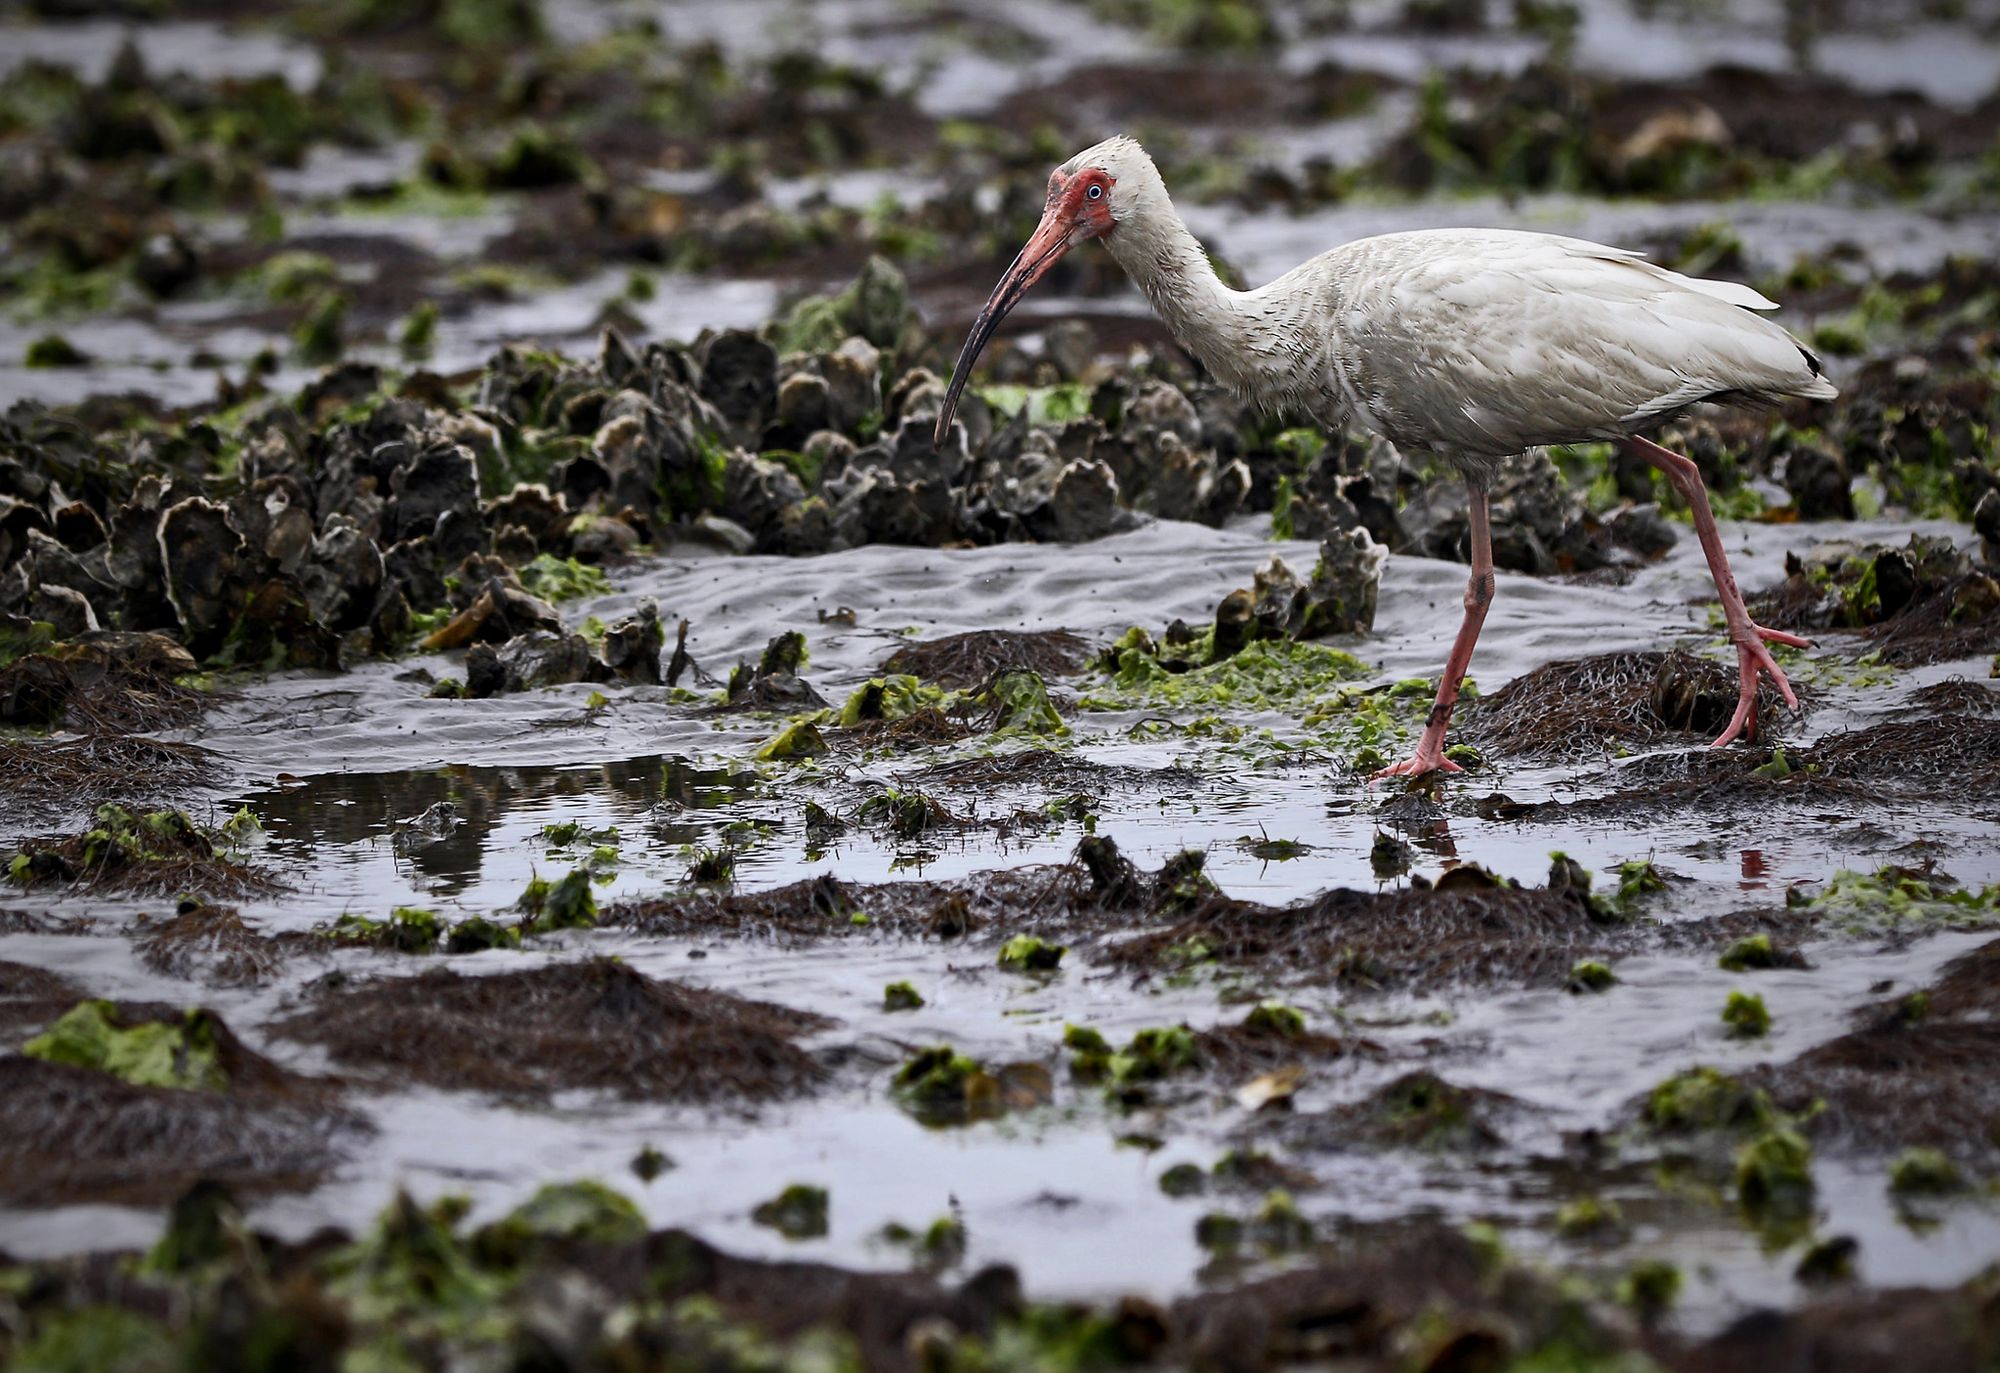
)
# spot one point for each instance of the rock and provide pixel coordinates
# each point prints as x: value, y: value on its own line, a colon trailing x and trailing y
x: 199, y: 553
x: 69, y: 611
x: 1986, y: 520
x: 804, y: 403
x: 724, y: 533
x: 440, y: 480
x: 538, y: 659
x: 1235, y: 625
x: 1641, y: 528
x: 165, y: 264
x: 1339, y: 597
x: 1160, y: 408
x: 1817, y: 478
x: 739, y: 377
x: 880, y: 303
x: 907, y: 454
x: 757, y: 490
x: 853, y: 385
x: 596, y: 538
x: 632, y: 648
x: 1083, y: 503
x: 1070, y: 346
x: 484, y: 676
x: 498, y: 613
x: 78, y: 528
x: 344, y: 576
x: 534, y: 509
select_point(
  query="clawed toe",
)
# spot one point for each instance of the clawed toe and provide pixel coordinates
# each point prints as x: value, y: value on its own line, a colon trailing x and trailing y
x: 1415, y: 767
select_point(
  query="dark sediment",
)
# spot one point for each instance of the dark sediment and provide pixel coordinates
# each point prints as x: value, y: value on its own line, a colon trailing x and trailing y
x: 594, y: 1025
x: 968, y: 660
x: 1916, y: 1071
x: 76, y: 1134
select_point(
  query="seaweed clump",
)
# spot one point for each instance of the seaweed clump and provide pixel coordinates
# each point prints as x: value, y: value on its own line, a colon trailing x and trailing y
x: 966, y: 660
x: 1578, y: 708
x: 597, y: 1024
x: 125, y: 850
x: 1915, y: 1073
x: 133, y: 1102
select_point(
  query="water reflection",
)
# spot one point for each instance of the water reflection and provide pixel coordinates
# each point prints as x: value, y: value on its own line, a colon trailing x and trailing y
x: 303, y: 817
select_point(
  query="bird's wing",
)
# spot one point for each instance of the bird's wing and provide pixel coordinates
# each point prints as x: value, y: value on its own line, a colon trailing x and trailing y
x: 1488, y: 342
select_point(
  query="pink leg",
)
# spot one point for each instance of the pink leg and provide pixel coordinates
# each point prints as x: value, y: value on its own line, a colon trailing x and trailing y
x: 1752, y: 658
x: 1478, y: 596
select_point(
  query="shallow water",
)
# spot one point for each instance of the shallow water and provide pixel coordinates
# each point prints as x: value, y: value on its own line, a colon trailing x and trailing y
x: 333, y: 765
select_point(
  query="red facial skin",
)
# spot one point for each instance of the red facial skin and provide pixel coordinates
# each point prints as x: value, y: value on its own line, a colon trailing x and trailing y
x: 1073, y: 214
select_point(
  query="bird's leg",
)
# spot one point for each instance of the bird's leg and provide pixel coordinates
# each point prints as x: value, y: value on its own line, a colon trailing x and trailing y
x: 1478, y: 596
x: 1752, y: 658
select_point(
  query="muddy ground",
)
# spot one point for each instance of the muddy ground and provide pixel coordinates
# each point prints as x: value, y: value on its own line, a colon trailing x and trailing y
x: 545, y: 827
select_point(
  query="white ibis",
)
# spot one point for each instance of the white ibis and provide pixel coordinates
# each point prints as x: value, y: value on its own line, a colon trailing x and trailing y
x: 1469, y: 344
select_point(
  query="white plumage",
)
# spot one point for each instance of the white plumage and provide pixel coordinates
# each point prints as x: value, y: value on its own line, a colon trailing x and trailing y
x: 1469, y: 344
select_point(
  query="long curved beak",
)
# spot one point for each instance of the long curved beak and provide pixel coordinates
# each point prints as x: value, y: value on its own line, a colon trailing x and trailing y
x: 1052, y: 238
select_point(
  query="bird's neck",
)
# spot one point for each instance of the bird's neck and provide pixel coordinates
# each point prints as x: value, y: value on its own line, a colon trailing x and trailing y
x: 1167, y: 262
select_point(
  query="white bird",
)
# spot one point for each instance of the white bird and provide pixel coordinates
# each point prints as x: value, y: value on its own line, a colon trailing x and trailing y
x: 1468, y: 344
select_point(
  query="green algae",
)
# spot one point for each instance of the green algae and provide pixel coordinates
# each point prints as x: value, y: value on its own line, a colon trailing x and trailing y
x: 182, y: 1055
x: 477, y: 934
x: 1751, y: 952
x: 1281, y: 675
x: 1746, y: 1015
x: 901, y: 996
x: 940, y: 1086
x: 1589, y: 975
x: 1704, y: 1099
x: 796, y: 742
x: 417, y: 335
x: 320, y: 336
x: 1651, y: 1287
x: 1859, y: 902
x: 52, y: 351
x: 97, y: 1339
x: 563, y: 579
x: 896, y: 696
x: 1020, y: 704
x: 1925, y: 1172
x: 563, y: 833
x: 1589, y: 1218
x: 1151, y: 1055
x: 409, y: 929
x: 120, y: 841
x: 1774, y: 1171
x: 565, y: 905
x: 582, y: 1211
x: 1275, y: 1018
x: 1027, y: 953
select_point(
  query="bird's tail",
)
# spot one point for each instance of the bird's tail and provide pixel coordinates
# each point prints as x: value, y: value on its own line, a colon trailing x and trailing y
x: 1819, y: 388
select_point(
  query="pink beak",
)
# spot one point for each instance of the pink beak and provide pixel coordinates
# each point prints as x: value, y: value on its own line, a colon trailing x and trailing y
x: 1052, y: 238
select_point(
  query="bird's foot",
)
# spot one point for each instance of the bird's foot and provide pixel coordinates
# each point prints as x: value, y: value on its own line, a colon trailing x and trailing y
x: 1753, y: 661
x: 1779, y: 636
x: 1425, y: 761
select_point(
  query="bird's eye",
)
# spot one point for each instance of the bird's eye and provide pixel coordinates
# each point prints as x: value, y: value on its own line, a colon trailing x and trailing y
x: 1096, y: 193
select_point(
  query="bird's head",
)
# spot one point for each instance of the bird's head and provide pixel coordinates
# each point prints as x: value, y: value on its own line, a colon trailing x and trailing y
x: 1089, y: 197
